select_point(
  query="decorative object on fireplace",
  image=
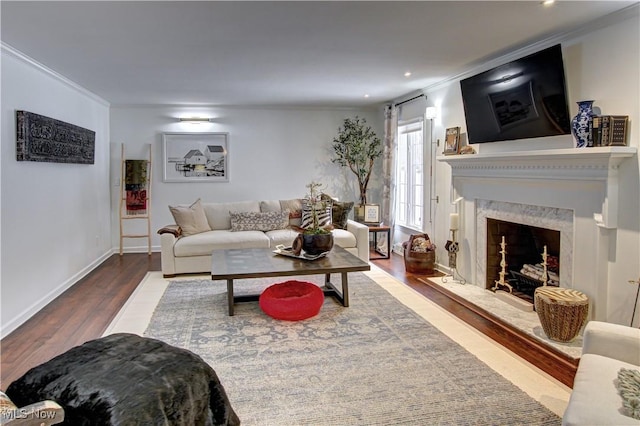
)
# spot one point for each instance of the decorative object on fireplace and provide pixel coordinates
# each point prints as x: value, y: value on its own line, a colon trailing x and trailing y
x: 532, y: 276
x: 610, y: 130
x: 503, y: 264
x: 452, y: 248
x: 581, y: 124
x: 545, y: 273
x: 452, y: 141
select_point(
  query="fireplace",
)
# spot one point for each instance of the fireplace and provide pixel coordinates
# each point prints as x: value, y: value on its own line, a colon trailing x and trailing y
x: 527, y: 230
x: 525, y: 247
x: 572, y: 192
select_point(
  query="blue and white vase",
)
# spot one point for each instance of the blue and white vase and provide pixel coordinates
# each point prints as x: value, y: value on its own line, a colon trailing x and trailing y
x: 581, y: 124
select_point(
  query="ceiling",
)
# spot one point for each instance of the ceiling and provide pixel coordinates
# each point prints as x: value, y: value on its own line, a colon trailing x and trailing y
x: 302, y: 53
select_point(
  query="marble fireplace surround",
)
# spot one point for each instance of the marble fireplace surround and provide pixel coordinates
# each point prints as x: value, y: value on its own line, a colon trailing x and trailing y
x: 540, y: 216
x: 574, y: 191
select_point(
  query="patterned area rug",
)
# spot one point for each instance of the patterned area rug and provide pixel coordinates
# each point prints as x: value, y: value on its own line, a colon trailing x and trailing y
x: 374, y: 363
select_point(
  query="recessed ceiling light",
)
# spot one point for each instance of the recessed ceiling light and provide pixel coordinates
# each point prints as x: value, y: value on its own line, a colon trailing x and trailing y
x: 366, y: 95
x: 407, y: 74
x: 547, y: 2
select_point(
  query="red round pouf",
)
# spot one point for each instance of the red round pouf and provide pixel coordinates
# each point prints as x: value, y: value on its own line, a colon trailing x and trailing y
x: 292, y: 300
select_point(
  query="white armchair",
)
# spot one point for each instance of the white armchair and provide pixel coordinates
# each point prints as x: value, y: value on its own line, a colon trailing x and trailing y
x: 595, y: 399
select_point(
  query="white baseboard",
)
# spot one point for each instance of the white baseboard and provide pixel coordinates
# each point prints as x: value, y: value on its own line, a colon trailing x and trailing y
x: 17, y: 321
x: 137, y: 249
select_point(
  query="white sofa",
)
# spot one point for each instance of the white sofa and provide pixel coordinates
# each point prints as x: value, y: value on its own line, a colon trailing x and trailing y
x: 595, y: 399
x: 191, y: 254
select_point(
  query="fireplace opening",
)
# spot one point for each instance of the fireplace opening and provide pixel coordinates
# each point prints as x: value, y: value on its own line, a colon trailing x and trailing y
x: 523, y: 258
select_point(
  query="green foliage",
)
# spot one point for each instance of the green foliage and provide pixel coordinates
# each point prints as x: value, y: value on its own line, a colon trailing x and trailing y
x: 357, y: 146
x: 317, y: 204
x: 316, y: 231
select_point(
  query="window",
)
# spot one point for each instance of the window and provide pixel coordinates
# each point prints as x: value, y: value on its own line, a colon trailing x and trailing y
x: 410, y: 175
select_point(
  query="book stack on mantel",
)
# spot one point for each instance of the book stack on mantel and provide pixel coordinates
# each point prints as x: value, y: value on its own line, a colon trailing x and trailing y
x: 609, y: 130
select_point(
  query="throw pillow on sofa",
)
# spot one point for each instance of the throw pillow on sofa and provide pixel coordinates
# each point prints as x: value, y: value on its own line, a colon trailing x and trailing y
x: 294, y: 206
x: 324, y: 217
x: 259, y: 221
x: 191, y: 219
x: 340, y: 213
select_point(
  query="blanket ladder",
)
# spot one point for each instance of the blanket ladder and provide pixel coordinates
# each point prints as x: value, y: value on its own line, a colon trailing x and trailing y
x: 135, y: 195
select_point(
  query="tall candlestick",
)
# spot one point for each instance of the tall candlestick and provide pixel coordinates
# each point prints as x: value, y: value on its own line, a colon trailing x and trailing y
x: 453, y: 221
x: 503, y: 271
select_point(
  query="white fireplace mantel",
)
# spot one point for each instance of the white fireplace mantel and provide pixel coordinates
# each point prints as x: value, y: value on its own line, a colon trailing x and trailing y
x: 599, y: 163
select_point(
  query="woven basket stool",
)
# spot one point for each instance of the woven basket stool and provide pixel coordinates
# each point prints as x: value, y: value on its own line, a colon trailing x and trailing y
x: 562, y: 312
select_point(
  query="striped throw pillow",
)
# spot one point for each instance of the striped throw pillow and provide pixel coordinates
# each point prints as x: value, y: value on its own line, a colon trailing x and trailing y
x: 324, y: 216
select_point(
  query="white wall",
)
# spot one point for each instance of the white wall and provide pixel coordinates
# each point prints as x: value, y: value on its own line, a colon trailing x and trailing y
x: 55, y: 221
x: 603, y: 65
x: 273, y: 154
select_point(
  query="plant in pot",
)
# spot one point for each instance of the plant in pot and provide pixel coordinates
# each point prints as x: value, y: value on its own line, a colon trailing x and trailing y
x: 315, y: 234
x: 357, y: 146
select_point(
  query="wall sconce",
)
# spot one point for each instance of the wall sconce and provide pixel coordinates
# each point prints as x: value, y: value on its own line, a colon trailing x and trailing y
x: 195, y: 120
x: 431, y: 113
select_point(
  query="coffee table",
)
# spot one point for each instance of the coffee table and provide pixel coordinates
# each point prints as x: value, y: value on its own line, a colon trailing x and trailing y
x: 235, y: 264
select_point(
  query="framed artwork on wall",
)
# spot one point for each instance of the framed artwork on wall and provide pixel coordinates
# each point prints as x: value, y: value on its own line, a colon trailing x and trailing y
x: 195, y: 157
x: 452, y: 141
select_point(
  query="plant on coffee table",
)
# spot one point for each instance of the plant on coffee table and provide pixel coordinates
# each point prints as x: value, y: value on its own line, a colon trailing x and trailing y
x: 317, y: 237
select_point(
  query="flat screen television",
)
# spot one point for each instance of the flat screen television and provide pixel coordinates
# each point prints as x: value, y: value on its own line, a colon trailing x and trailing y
x: 522, y: 99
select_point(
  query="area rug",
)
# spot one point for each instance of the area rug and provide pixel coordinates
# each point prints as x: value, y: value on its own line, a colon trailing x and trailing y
x: 374, y: 363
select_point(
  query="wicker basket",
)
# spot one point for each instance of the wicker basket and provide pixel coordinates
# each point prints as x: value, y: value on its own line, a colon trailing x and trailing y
x: 418, y: 262
x: 562, y: 312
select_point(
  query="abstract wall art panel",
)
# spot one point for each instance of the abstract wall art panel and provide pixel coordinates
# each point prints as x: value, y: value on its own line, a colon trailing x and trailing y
x: 41, y: 138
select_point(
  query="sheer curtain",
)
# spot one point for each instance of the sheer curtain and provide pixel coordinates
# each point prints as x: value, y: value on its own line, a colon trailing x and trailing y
x: 389, y: 173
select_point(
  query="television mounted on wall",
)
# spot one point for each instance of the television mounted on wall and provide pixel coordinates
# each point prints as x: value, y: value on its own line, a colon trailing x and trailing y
x: 525, y: 98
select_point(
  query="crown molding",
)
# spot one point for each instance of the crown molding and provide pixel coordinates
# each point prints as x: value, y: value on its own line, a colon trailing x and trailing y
x: 9, y: 50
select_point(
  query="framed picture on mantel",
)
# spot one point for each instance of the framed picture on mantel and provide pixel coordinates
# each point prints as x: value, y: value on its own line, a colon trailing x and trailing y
x: 452, y: 141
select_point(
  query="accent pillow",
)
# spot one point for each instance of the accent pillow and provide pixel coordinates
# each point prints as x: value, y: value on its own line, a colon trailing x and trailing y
x: 324, y: 217
x: 191, y: 219
x: 259, y: 221
x: 340, y: 213
x: 629, y: 389
x: 294, y: 206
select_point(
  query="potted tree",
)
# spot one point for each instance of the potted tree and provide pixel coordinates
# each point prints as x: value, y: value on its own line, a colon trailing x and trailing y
x: 357, y: 146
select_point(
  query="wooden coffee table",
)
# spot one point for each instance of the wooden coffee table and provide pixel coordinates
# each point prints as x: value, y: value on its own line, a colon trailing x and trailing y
x: 260, y: 263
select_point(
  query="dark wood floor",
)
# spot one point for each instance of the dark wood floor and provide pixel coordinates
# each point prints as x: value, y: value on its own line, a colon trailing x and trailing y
x: 85, y: 310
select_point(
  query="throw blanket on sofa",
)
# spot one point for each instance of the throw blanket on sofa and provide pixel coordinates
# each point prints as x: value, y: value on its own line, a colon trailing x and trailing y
x: 135, y: 180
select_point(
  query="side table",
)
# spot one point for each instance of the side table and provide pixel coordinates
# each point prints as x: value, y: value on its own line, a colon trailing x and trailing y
x: 375, y: 230
x: 562, y: 312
